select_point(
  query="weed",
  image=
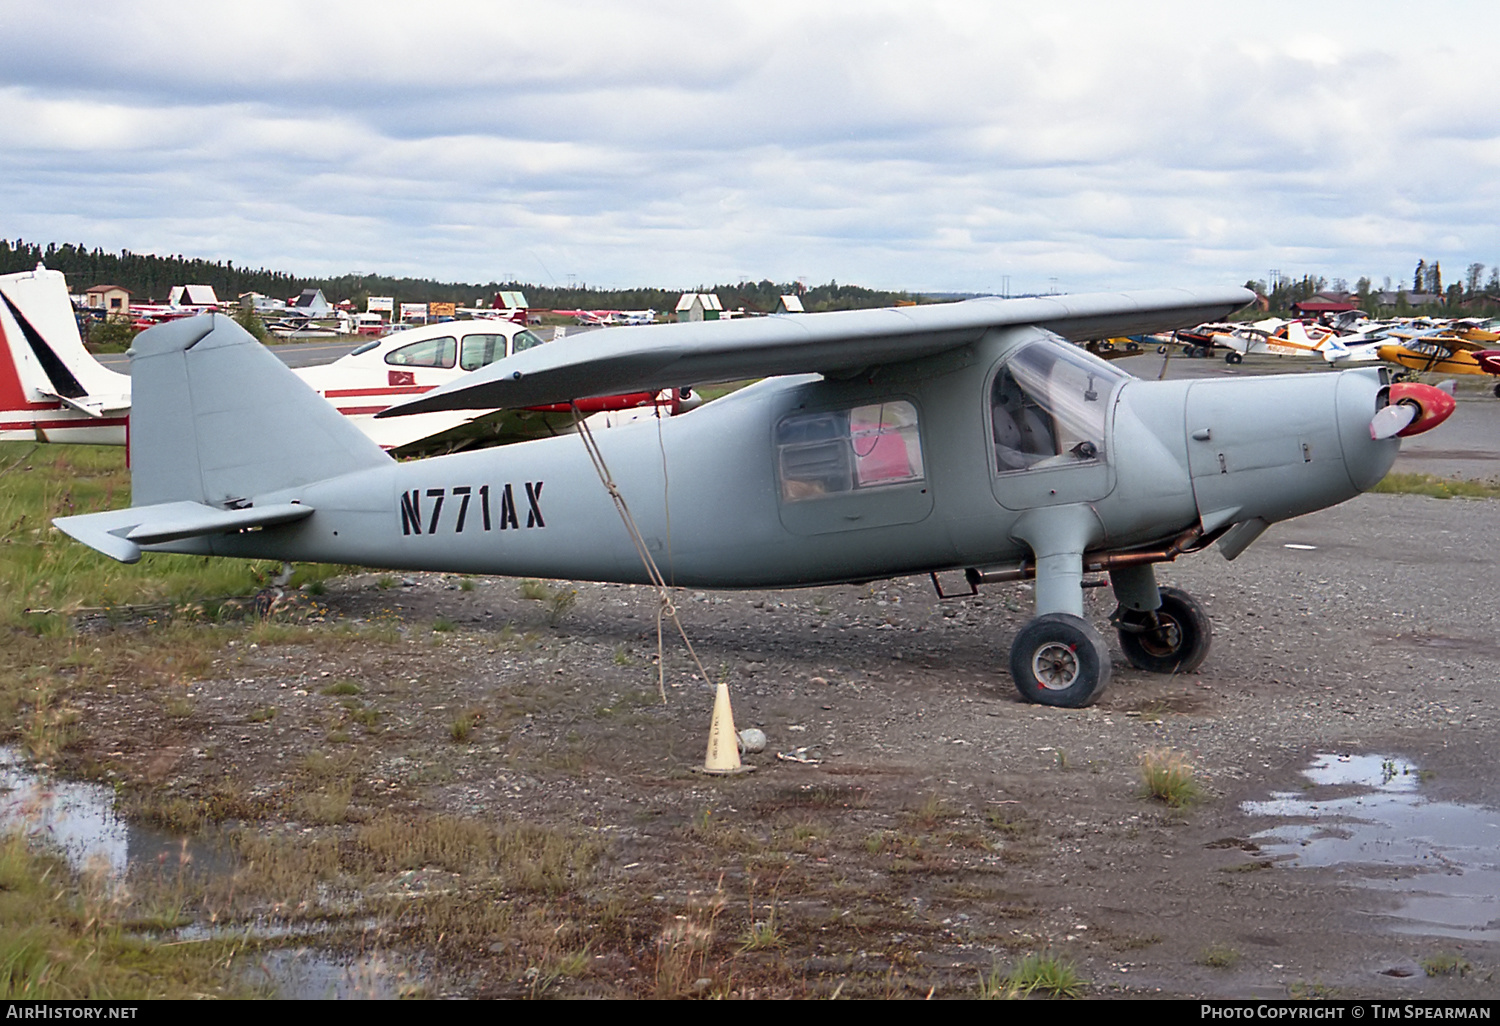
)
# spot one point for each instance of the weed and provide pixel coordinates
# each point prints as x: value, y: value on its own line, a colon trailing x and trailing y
x: 1037, y: 973
x: 265, y: 714
x: 562, y: 600
x: 466, y: 584
x: 442, y: 625
x: 463, y: 725
x: 1168, y: 777
x: 385, y: 582
x: 534, y: 590
x: 179, y: 707
x: 343, y: 687
x: 1009, y: 819
x: 1445, y: 964
x: 1219, y: 956
x: 763, y: 935
x: 930, y: 813
x: 1301, y: 990
x: 682, y: 950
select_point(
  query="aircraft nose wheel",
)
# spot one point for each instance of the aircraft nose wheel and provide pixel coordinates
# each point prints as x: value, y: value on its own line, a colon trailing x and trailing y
x: 1174, y: 639
x: 1058, y: 659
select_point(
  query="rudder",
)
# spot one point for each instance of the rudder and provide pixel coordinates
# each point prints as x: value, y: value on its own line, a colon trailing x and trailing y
x: 218, y: 419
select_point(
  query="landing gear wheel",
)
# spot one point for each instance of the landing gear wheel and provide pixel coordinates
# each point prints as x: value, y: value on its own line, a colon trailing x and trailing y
x: 1161, y: 350
x: 1058, y: 659
x: 1497, y: 391
x: 1175, y: 640
x: 1233, y: 357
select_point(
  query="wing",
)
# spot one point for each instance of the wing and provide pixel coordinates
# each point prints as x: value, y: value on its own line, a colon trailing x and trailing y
x: 646, y: 358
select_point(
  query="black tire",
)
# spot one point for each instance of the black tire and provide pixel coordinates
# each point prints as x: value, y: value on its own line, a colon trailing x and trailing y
x: 1232, y: 357
x: 1189, y: 351
x: 1161, y: 350
x: 1132, y: 347
x: 1497, y: 391
x: 1179, y: 641
x: 1058, y: 659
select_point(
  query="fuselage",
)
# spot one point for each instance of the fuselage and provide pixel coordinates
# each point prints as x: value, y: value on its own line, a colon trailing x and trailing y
x: 961, y: 460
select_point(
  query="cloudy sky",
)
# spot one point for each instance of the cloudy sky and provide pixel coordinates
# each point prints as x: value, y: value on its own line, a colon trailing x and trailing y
x: 940, y: 146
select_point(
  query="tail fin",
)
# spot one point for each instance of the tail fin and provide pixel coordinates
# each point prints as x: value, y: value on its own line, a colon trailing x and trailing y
x: 45, y: 352
x: 219, y: 420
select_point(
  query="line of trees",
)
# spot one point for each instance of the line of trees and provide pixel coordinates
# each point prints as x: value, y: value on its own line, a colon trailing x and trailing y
x: 1477, y: 295
x: 150, y: 278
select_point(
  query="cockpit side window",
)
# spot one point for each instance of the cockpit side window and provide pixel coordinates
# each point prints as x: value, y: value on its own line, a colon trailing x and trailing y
x: 524, y: 340
x: 1048, y: 407
x: 433, y: 352
x: 839, y: 451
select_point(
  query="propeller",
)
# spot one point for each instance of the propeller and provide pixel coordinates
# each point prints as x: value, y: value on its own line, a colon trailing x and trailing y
x: 1391, y: 420
x: 1414, y: 408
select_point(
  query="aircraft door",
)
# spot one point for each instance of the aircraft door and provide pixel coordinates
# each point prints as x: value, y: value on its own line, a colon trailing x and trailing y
x: 1047, y: 409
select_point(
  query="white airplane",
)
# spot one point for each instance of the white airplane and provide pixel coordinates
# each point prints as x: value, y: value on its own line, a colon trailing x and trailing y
x: 53, y: 390
x: 1275, y: 336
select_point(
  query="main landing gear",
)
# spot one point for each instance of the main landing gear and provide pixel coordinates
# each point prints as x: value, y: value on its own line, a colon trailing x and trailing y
x: 1059, y: 659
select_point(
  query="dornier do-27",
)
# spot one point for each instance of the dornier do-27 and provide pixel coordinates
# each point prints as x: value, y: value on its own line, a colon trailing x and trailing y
x: 969, y: 436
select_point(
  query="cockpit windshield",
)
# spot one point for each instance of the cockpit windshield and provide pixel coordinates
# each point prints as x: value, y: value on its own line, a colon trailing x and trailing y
x: 1048, y: 407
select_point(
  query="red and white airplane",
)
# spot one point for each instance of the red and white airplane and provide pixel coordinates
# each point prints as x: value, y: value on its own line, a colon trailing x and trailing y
x: 53, y: 390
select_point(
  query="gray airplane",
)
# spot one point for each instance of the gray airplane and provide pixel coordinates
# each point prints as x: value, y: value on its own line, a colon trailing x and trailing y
x: 967, y: 436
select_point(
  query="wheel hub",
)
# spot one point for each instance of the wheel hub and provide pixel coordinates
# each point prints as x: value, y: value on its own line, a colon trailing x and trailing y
x: 1055, y: 666
x: 1165, y: 639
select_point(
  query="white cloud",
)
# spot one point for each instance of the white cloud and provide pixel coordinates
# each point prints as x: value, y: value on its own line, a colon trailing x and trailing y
x: 938, y: 147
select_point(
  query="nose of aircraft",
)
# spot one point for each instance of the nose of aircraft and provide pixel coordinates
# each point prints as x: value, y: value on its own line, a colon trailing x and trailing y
x: 1414, y: 408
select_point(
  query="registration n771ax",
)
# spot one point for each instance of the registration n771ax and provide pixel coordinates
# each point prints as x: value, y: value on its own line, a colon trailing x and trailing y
x: 969, y: 436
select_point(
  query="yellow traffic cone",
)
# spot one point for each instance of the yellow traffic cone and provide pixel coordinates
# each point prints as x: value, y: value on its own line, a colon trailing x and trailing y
x: 723, y: 756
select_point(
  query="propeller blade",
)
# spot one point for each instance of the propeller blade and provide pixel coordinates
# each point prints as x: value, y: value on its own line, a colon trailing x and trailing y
x: 1390, y: 420
x: 1446, y: 386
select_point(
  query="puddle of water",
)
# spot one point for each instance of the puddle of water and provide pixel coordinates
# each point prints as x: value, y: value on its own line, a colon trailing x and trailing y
x: 1441, y: 858
x: 79, y: 820
x: 312, y: 974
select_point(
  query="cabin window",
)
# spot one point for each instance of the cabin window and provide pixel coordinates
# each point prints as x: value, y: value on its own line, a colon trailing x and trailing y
x: 480, y: 351
x: 1048, y: 407
x: 849, y: 450
x: 434, y: 352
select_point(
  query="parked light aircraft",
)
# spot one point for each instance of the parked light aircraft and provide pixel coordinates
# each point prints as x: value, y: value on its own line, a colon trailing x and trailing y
x: 52, y: 388
x: 967, y: 436
x: 1443, y: 351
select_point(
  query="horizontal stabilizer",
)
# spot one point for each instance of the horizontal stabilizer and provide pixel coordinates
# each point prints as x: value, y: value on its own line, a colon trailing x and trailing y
x: 120, y: 533
x: 95, y: 406
x: 646, y: 358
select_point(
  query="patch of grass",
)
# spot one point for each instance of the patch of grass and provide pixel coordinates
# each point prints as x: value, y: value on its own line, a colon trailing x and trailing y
x: 534, y: 590
x: 1009, y: 819
x: 265, y: 714
x: 1034, y: 974
x: 343, y: 687
x: 1445, y: 964
x: 466, y: 584
x: 66, y: 936
x: 1219, y: 956
x: 930, y: 814
x: 1437, y: 487
x: 1167, y: 777
x: 55, y: 577
x: 464, y: 724
x: 442, y: 625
